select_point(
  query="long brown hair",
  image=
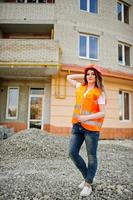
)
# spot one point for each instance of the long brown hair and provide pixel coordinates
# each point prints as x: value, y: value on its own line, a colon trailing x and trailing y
x: 99, y: 80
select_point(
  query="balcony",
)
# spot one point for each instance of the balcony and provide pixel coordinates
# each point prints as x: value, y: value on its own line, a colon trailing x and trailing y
x: 29, y: 57
x: 26, y: 13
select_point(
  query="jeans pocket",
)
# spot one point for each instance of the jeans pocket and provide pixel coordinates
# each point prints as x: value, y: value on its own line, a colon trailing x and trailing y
x: 75, y: 129
x: 97, y: 134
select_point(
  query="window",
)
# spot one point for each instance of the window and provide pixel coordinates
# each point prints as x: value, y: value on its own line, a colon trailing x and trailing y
x: 36, y: 108
x: 83, y: 44
x: 39, y: 91
x: 89, y: 5
x: 123, y: 12
x: 124, y: 54
x: 12, y: 103
x: 124, y: 102
x: 88, y: 46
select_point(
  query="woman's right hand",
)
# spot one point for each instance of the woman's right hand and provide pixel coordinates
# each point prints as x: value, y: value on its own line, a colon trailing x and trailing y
x: 72, y: 78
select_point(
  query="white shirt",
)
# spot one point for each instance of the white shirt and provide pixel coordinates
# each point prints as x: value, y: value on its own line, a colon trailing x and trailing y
x: 101, y: 99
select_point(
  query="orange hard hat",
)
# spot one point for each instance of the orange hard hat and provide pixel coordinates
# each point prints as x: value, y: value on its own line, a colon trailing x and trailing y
x: 93, y: 66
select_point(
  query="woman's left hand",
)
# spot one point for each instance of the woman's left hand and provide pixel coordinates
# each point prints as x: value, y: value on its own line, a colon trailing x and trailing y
x: 82, y: 118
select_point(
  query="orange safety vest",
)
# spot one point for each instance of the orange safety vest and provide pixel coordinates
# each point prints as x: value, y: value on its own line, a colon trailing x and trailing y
x: 86, y: 106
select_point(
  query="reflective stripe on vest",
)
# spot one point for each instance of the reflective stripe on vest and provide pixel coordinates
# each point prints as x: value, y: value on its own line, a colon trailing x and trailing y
x: 82, y: 113
x: 89, y: 122
x: 94, y: 123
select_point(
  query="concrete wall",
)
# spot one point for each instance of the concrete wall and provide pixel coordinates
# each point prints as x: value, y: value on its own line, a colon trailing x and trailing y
x: 113, y: 86
x: 26, y: 13
x: 33, y: 50
x: 71, y: 21
x: 62, y: 109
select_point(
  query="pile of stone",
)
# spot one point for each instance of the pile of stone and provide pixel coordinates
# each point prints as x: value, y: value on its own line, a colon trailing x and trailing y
x: 35, y: 166
x: 32, y: 143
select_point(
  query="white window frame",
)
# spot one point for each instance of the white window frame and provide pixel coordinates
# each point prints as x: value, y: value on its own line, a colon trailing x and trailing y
x: 129, y: 93
x: 36, y: 95
x: 7, y: 117
x: 123, y: 63
x: 87, y: 47
x: 122, y: 5
x: 88, y: 7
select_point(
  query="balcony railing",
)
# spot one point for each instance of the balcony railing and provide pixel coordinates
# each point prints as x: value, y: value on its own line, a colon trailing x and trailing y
x: 29, y: 51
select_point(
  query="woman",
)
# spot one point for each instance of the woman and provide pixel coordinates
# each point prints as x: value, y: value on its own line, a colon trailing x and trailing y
x: 87, y: 120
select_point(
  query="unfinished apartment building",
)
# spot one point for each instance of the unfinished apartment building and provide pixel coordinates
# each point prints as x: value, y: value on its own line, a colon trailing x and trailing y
x: 41, y: 41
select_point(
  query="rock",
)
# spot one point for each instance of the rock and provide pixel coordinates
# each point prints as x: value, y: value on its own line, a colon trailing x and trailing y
x: 119, y: 189
x: 2, y: 132
x: 5, y: 132
x: 35, y: 165
x: 23, y: 178
x: 46, y: 197
x: 26, y: 198
x: 128, y: 192
x: 38, y: 195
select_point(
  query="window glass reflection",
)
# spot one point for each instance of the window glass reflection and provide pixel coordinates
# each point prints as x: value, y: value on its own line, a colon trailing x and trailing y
x: 93, y: 47
x: 12, y: 102
x: 83, y: 41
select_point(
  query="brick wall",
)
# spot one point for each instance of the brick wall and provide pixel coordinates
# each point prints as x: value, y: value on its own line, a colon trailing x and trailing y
x: 26, y: 13
x: 23, y: 50
x: 71, y: 21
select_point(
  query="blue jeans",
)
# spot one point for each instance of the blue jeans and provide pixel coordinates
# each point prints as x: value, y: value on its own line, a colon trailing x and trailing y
x: 79, y: 135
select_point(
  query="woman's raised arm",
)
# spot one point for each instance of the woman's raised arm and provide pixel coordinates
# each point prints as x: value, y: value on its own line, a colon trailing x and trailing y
x: 72, y: 78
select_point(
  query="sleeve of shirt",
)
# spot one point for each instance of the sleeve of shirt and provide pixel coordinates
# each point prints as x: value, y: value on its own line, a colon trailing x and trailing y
x: 78, y: 84
x: 101, y: 99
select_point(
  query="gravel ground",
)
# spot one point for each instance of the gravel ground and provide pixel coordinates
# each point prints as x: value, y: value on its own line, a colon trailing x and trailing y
x: 35, y: 166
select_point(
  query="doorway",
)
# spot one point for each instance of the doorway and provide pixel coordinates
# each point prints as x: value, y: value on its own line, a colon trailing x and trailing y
x: 36, y: 105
